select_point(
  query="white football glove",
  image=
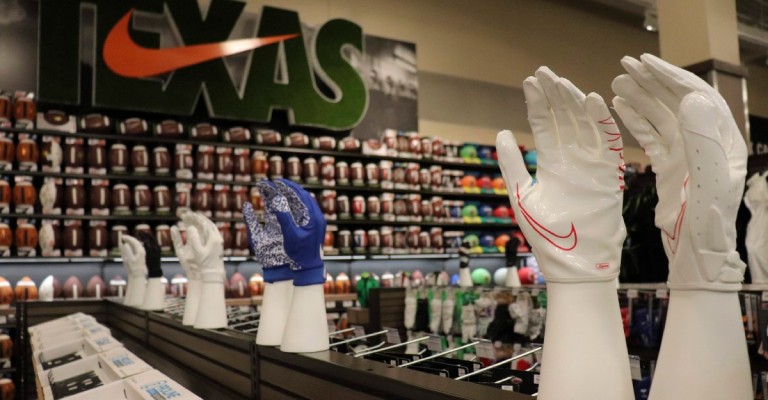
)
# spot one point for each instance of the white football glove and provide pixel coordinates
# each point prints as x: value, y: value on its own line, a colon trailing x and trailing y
x: 205, y: 245
x: 185, y: 254
x: 700, y: 157
x: 134, y: 257
x: 756, y: 199
x: 572, y: 215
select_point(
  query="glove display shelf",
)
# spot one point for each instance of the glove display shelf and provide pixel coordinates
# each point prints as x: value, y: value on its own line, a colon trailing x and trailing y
x: 226, y: 364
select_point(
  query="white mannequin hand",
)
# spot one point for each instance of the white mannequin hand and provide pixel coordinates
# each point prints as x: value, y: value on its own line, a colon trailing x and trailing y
x: 134, y: 256
x: 205, y: 244
x: 697, y: 151
x: 185, y: 254
x: 572, y: 215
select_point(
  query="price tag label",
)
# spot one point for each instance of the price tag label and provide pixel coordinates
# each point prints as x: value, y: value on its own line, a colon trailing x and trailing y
x: 765, y: 296
x: 359, y: 330
x: 536, y: 379
x: 245, y: 308
x: 535, y: 292
x: 348, y: 303
x: 661, y: 293
x: 434, y: 343
x: 330, y: 304
x: 632, y: 294
x: 160, y: 390
x: 485, y: 350
x: 508, y: 388
x: 122, y: 361
x: 393, y: 336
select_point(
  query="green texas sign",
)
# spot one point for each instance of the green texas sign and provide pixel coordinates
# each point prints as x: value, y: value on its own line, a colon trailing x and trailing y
x: 311, y: 78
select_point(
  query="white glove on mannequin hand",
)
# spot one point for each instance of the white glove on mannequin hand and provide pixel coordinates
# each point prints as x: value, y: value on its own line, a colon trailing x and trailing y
x: 572, y: 215
x: 135, y: 264
x: 190, y: 265
x: 206, y: 246
x: 699, y: 157
x: 756, y: 199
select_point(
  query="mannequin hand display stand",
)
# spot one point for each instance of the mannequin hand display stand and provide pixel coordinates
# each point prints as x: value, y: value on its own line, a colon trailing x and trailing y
x: 699, y: 157
x: 465, y: 275
x: 756, y: 199
x: 192, y: 268
x: 154, y: 296
x: 206, y: 245
x: 267, y: 245
x: 572, y: 218
x: 510, y: 253
x: 134, y: 262
x: 302, y: 226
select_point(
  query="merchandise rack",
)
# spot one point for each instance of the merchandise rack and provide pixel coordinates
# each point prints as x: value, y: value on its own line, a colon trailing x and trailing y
x: 503, y: 197
x: 227, y: 365
x: 274, y: 149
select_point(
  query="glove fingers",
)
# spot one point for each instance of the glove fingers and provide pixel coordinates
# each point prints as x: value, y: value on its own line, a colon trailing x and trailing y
x: 134, y: 245
x: 611, y: 142
x: 252, y: 222
x: 676, y: 79
x: 176, y: 239
x: 548, y: 81
x: 647, y: 106
x: 542, y: 122
x: 193, y: 238
x: 511, y: 162
x: 574, y: 100
x: 648, y: 81
x: 706, y: 157
x: 297, y: 199
x: 639, y: 128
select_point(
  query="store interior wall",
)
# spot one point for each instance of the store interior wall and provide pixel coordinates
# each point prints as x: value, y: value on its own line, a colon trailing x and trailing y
x: 473, y: 56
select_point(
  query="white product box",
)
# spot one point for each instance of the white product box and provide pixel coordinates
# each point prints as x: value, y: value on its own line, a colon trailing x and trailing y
x: 91, y: 372
x: 75, y: 319
x: 65, y: 353
x: 53, y: 339
x: 150, y: 385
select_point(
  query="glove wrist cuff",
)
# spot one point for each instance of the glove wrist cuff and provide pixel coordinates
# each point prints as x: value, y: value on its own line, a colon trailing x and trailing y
x: 277, y: 273
x: 309, y: 276
x: 213, y: 276
x: 137, y: 274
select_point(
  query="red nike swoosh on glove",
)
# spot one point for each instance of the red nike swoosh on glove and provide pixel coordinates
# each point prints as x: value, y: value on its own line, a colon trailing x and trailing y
x: 672, y: 240
x: 126, y: 58
x: 545, y: 232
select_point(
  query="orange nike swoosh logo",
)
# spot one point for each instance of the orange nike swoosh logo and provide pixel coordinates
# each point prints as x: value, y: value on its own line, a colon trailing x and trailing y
x: 126, y: 58
x: 548, y: 235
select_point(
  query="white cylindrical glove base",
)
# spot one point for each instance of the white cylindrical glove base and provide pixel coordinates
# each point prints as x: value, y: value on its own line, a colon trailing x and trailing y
x: 513, y: 278
x: 137, y: 287
x: 194, y: 287
x: 212, y: 307
x: 585, y: 339
x: 306, y: 329
x: 154, y: 296
x: 465, y: 277
x: 274, y: 313
x: 703, y: 352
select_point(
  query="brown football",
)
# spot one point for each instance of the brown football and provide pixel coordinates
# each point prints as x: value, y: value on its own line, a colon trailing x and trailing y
x: 71, y: 286
x: 169, y: 128
x: 97, y: 156
x: 118, y: 157
x: 96, y: 284
x: 140, y: 158
x: 74, y: 197
x: 26, y: 236
x: 98, y: 239
x: 121, y: 197
x: 6, y: 292
x: 7, y: 151
x: 24, y: 195
x: 202, y: 200
x: 73, y: 238
x: 297, y: 139
x: 268, y: 137
x: 161, y: 160
x: 142, y: 197
x: 134, y: 127
x: 204, y: 131
x: 100, y: 197
x: 27, y: 153
x: 237, y: 134
x: 95, y: 123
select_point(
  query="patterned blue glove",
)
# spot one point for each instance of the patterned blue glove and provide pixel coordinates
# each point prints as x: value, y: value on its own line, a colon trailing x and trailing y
x: 303, y: 228
x: 267, y: 244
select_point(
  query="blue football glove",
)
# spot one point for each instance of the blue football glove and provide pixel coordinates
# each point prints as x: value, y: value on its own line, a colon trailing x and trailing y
x: 267, y: 244
x: 303, y: 228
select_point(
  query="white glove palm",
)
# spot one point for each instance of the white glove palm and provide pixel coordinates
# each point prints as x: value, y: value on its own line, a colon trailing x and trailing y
x: 134, y: 256
x: 572, y: 215
x: 185, y: 254
x: 697, y: 151
x: 205, y: 245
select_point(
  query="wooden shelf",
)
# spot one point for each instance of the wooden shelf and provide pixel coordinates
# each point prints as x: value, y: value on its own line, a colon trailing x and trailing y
x: 493, y: 167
